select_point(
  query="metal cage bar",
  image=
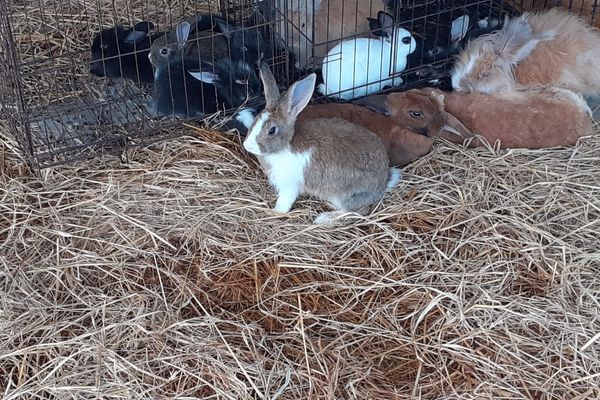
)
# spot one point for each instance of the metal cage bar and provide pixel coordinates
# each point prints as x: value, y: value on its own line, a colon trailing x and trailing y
x: 59, y: 112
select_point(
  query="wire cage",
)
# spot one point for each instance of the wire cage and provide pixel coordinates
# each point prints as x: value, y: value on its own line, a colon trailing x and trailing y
x: 59, y: 106
x: 56, y: 100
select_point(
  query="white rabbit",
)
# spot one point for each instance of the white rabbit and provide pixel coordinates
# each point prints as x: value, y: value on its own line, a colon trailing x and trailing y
x: 358, y: 67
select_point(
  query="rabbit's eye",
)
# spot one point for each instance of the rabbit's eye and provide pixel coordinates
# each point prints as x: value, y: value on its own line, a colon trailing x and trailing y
x: 164, y: 51
x: 272, y: 131
x: 416, y: 114
x: 103, y: 46
x: 406, y: 40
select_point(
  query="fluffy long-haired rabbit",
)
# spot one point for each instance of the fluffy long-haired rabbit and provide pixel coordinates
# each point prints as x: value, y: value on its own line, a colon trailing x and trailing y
x: 321, y: 24
x: 121, y: 52
x: 358, y: 67
x: 330, y: 158
x: 531, y: 118
x: 553, y: 47
x: 184, y: 91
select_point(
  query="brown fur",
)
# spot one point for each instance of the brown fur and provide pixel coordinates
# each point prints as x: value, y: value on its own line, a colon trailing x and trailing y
x: 531, y: 118
x: 342, y: 147
x: 403, y: 145
x: 570, y: 60
x: 330, y: 25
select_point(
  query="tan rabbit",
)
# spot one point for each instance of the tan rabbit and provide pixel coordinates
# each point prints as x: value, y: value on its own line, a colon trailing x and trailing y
x: 553, y: 47
x: 531, y: 118
x: 404, y: 142
x: 329, y: 158
x: 323, y: 23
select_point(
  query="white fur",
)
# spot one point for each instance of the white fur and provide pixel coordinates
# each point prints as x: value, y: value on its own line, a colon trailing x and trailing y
x: 460, y: 27
x: 286, y: 174
x: 251, y: 144
x: 366, y: 63
x: 459, y: 73
x: 395, y: 176
x: 326, y: 218
x: 245, y: 117
x: 576, y: 98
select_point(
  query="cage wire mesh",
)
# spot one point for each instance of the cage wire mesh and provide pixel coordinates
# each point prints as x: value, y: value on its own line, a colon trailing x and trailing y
x: 60, y: 108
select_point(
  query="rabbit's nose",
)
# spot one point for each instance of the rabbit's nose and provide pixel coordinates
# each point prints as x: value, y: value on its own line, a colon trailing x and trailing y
x: 406, y: 40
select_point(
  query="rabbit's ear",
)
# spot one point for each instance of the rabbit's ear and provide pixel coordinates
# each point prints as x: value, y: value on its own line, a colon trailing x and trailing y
x: 377, y: 103
x: 144, y: 26
x: 182, y: 32
x: 299, y: 94
x: 376, y: 28
x: 453, y: 125
x: 460, y: 27
x: 204, y: 76
x: 386, y: 24
x: 270, y: 85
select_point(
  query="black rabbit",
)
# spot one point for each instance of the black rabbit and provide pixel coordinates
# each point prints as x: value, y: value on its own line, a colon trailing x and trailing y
x: 186, y: 89
x: 120, y: 52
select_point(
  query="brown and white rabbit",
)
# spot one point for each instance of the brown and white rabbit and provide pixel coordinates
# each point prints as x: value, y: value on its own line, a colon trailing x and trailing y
x: 323, y: 23
x: 531, y: 118
x: 403, y: 144
x: 553, y: 47
x: 329, y: 158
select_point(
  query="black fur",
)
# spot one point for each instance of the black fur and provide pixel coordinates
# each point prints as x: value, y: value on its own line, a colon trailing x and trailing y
x: 178, y: 93
x: 121, y: 52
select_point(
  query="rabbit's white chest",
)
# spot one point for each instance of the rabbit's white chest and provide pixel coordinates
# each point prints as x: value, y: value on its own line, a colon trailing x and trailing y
x: 285, y: 169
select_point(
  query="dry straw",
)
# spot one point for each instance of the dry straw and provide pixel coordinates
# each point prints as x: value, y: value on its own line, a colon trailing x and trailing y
x: 167, y: 277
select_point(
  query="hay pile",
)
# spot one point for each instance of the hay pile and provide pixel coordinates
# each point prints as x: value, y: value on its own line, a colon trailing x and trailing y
x: 168, y: 277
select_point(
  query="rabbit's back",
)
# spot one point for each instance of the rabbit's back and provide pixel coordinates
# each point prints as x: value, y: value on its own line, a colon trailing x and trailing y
x: 523, y: 119
x: 571, y: 59
x: 344, y: 156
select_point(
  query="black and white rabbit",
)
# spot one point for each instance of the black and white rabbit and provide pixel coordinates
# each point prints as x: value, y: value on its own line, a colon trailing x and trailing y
x: 184, y: 90
x: 120, y: 52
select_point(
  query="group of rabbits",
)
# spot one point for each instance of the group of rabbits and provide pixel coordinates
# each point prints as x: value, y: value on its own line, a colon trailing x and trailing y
x: 206, y: 63
x: 363, y: 47
x: 521, y: 85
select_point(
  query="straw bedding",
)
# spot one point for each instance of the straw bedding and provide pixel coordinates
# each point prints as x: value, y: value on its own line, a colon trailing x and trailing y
x: 168, y: 277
